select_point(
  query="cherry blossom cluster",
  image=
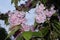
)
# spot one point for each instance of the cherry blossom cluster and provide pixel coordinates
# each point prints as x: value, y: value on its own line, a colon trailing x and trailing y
x: 43, y: 14
x: 18, y: 18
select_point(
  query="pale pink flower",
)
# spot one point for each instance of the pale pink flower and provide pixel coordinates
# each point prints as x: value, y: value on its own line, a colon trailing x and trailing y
x: 40, y: 8
x: 19, y: 14
x: 32, y: 28
x: 41, y: 18
x: 49, y: 13
x: 27, y: 27
x: 16, y: 18
x: 23, y: 20
x: 42, y: 14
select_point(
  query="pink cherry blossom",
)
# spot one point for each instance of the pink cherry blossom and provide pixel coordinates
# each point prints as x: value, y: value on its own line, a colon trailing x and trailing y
x: 50, y: 12
x: 27, y: 27
x: 41, y: 18
x: 40, y: 8
x: 24, y: 20
x: 42, y: 14
x: 16, y: 17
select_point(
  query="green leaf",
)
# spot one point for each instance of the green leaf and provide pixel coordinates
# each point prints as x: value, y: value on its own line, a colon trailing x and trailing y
x: 45, y: 31
x: 56, y: 34
x: 6, y: 21
x: 33, y: 3
x: 27, y: 35
x: 44, y: 1
x: 12, y: 32
x: 37, y: 34
x: 35, y: 24
x: 57, y: 24
x: 15, y: 2
x: 19, y: 37
x: 55, y: 27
